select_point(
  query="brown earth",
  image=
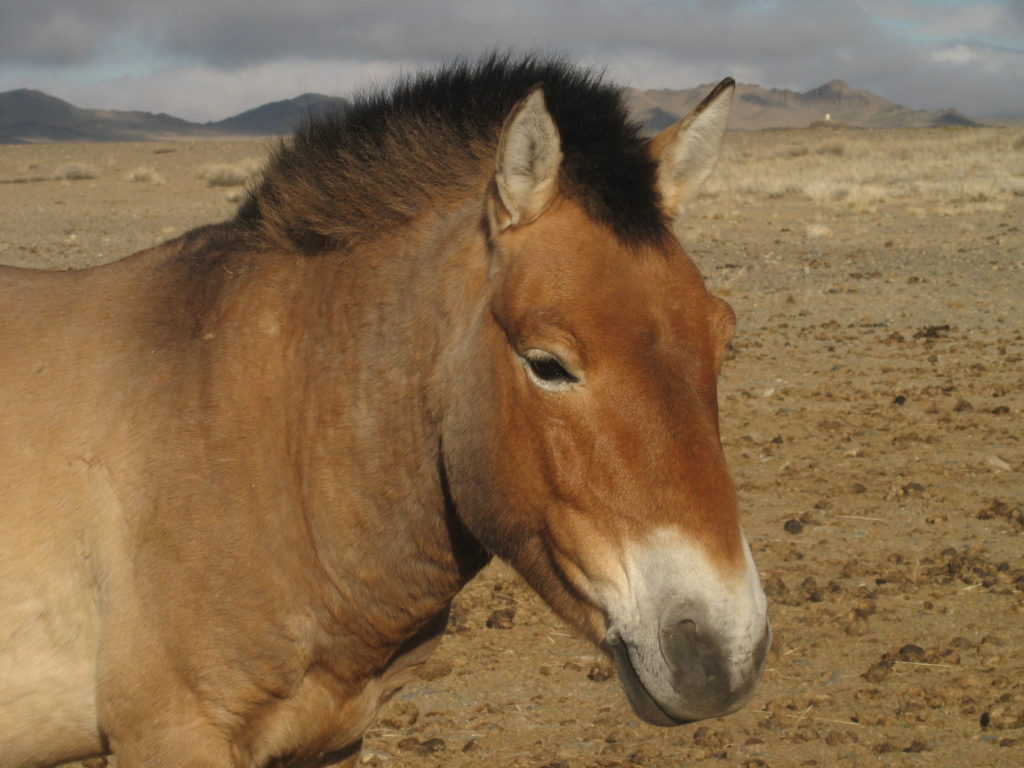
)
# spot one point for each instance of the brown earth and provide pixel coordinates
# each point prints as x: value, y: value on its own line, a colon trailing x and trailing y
x: 872, y: 418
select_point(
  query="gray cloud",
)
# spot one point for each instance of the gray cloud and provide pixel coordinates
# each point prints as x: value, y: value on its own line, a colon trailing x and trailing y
x: 55, y: 33
x: 902, y: 49
x: 236, y: 33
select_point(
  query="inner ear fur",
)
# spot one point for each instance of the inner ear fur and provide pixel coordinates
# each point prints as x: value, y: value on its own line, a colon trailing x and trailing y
x: 686, y: 151
x: 527, y: 164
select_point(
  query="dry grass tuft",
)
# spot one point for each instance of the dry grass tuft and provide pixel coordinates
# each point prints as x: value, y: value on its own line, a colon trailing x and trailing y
x: 76, y: 171
x: 144, y: 173
x: 225, y: 175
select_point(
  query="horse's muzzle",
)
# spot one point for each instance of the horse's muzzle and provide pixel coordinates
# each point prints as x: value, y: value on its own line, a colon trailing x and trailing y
x: 698, y: 676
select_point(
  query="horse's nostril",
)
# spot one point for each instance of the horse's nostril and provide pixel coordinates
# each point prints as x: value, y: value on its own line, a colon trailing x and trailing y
x: 694, y: 657
x: 677, y: 643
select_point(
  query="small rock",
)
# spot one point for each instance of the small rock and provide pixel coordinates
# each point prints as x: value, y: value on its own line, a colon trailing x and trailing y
x: 878, y: 672
x: 600, y: 673
x: 434, y: 745
x: 932, y: 332
x: 911, y: 653
x: 793, y: 526
x: 501, y: 619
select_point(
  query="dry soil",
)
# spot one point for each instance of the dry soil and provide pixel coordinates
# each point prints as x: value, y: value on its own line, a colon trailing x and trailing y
x: 871, y: 415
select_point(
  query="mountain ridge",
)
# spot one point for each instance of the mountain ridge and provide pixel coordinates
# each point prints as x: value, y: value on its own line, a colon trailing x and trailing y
x: 32, y: 116
x: 757, y: 108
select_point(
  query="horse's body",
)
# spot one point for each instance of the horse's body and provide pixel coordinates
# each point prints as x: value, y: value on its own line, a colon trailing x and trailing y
x: 243, y: 474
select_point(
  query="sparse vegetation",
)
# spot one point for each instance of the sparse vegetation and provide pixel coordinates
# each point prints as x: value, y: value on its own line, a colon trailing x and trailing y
x: 76, y: 171
x: 834, y: 148
x: 228, y: 175
x: 946, y: 171
x: 144, y: 173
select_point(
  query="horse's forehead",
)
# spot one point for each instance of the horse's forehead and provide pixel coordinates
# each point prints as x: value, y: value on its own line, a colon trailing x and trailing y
x: 569, y: 261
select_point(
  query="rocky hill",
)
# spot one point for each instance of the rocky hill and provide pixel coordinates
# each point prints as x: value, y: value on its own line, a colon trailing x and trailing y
x: 758, y: 108
x: 279, y: 117
x: 28, y: 116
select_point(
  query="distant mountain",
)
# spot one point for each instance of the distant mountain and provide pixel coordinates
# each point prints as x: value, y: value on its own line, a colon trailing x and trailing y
x: 28, y: 116
x: 279, y: 117
x: 758, y: 108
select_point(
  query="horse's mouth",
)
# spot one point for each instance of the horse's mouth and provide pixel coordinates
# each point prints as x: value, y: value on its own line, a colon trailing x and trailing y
x: 639, y: 698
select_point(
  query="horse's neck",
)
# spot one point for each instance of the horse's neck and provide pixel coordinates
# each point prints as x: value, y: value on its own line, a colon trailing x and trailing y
x: 370, y: 446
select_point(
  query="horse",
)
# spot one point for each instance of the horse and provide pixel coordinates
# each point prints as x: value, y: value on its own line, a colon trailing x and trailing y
x: 244, y: 473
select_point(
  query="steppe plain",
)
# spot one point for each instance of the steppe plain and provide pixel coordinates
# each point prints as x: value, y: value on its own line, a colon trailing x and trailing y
x: 872, y: 415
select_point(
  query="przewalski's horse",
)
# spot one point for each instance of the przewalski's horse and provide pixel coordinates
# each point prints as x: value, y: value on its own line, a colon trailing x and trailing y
x: 243, y: 474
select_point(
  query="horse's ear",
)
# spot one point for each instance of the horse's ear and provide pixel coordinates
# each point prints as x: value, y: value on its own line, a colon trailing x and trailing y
x: 686, y: 151
x: 526, y: 168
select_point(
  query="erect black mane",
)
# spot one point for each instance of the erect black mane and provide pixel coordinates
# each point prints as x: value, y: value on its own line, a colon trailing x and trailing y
x: 346, y: 176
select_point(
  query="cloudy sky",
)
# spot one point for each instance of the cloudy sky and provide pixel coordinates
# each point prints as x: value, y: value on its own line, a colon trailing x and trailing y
x: 208, y: 59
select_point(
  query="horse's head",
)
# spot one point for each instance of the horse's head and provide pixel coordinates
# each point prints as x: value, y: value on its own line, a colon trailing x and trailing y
x: 584, y: 447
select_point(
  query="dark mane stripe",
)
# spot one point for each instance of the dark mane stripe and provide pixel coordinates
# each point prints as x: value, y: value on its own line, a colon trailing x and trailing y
x: 346, y: 177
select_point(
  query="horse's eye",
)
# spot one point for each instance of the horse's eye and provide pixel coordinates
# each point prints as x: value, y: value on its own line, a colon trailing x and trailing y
x: 547, y: 369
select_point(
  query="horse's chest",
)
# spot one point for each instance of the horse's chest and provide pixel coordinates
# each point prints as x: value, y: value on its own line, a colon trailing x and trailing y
x: 318, y: 720
x: 325, y: 715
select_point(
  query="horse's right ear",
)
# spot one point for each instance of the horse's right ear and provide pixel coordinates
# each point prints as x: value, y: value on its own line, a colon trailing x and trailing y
x: 526, y: 168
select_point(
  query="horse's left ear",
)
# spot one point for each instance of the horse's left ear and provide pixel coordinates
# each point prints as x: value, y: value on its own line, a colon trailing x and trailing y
x: 686, y: 151
x: 526, y: 168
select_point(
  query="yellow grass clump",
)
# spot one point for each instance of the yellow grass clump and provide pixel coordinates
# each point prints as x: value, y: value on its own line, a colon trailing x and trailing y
x: 144, y: 173
x: 230, y: 175
x: 76, y: 171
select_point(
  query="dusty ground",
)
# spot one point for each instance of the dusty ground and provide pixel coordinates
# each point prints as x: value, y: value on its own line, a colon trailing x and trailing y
x: 872, y: 418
